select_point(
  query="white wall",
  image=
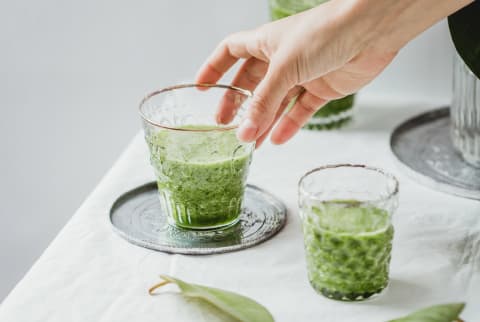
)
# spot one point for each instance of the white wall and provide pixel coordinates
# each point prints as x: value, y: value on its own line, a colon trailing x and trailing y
x: 72, y: 73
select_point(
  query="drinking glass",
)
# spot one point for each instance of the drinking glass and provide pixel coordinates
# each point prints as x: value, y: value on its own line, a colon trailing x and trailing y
x: 200, y: 165
x: 465, y: 112
x: 346, y: 212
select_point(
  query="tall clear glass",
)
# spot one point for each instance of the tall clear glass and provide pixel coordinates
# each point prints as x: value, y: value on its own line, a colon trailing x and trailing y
x: 346, y: 212
x: 335, y: 113
x: 465, y: 112
x: 200, y: 165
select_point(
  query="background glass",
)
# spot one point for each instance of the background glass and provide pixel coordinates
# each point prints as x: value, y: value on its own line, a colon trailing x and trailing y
x: 335, y: 113
x: 346, y: 212
x: 465, y: 112
x: 200, y: 165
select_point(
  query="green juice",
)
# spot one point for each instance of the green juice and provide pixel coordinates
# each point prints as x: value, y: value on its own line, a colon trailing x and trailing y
x: 200, y: 175
x: 348, y: 249
x: 279, y: 12
x: 335, y: 113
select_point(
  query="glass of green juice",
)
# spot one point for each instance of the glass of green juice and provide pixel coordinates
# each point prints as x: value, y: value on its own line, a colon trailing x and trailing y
x: 336, y: 113
x: 346, y: 212
x: 200, y: 165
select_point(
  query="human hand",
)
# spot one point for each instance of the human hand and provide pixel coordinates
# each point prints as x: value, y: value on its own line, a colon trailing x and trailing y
x: 318, y: 55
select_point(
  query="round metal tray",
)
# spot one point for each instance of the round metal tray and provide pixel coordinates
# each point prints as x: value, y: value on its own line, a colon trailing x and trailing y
x: 423, y: 146
x: 136, y: 216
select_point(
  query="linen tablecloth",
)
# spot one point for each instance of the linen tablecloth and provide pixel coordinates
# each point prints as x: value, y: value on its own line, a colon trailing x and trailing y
x: 88, y: 273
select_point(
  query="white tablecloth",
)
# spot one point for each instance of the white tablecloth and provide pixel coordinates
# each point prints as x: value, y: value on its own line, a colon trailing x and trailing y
x: 90, y: 274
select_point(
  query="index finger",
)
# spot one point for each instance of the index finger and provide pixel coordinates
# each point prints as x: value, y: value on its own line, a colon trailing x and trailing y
x: 227, y: 53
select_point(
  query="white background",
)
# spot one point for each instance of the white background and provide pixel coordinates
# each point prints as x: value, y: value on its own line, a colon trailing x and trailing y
x: 73, y: 72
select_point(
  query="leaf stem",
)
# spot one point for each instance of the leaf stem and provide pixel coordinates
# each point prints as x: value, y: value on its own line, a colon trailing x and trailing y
x: 152, y: 289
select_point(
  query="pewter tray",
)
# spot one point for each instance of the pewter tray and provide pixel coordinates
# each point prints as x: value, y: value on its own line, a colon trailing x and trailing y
x: 136, y: 216
x: 423, y: 146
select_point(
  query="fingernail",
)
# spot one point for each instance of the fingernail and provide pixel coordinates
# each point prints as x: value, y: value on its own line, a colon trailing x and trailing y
x: 218, y: 118
x: 247, y: 131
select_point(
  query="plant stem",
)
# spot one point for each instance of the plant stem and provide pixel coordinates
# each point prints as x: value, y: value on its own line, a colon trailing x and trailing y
x: 152, y: 289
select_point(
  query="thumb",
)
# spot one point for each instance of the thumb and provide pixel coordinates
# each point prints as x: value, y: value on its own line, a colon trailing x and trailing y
x: 266, y: 101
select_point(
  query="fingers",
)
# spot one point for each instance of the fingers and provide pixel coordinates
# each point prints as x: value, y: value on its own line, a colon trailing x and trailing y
x: 319, y: 92
x: 305, y: 106
x: 265, y: 103
x: 262, y: 137
x: 225, y: 56
x: 248, y: 77
x: 292, y: 95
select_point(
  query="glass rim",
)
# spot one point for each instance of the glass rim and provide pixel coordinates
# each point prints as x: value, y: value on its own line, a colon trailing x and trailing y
x: 242, y: 91
x: 386, y: 174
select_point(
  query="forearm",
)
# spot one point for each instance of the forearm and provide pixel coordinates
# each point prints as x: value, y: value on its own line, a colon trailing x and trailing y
x: 390, y: 24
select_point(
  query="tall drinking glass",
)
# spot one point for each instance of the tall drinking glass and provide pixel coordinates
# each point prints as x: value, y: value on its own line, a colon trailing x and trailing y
x: 200, y: 165
x: 465, y: 112
x: 346, y: 212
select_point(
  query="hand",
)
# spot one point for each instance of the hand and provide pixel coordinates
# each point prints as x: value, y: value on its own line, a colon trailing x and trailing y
x: 318, y: 55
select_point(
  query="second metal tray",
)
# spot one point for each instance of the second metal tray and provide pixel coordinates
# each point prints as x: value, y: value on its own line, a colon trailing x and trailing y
x: 423, y: 146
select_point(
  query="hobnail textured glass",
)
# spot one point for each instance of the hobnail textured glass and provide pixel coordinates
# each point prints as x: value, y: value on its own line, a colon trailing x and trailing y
x: 465, y: 112
x: 346, y: 212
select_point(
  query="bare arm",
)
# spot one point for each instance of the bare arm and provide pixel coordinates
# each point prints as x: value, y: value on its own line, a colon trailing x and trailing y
x: 321, y: 54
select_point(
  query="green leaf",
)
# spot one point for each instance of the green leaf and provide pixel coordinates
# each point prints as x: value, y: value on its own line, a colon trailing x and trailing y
x: 238, y: 306
x: 465, y: 30
x: 437, y: 313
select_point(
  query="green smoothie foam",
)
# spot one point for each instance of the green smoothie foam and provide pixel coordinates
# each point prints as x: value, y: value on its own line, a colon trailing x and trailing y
x: 200, y: 175
x: 348, y: 248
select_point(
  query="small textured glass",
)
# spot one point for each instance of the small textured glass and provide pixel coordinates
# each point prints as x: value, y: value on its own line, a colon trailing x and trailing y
x: 335, y: 113
x: 465, y: 112
x: 200, y: 165
x: 346, y: 212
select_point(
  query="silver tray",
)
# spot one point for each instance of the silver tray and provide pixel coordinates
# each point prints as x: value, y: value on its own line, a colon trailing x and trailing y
x: 423, y: 147
x: 136, y: 216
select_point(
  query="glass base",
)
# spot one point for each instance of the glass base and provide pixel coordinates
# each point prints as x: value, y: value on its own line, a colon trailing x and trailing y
x: 200, y: 214
x: 333, y: 115
x: 327, y: 124
x: 467, y: 145
x: 224, y: 225
x: 349, y: 297
x: 472, y: 160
